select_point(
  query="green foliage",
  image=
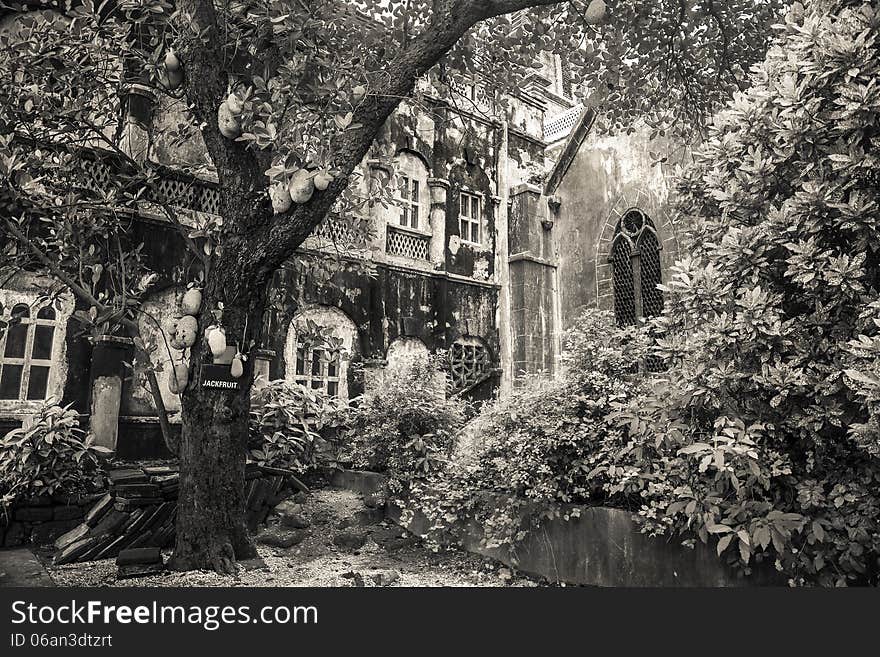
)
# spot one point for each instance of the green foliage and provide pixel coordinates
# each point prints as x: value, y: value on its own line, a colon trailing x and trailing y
x: 669, y: 62
x: 286, y: 424
x: 766, y: 429
x: 52, y: 456
x: 406, y: 426
x: 549, y: 443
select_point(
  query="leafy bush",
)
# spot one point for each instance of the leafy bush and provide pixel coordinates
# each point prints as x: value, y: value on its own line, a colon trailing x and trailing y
x: 762, y: 434
x: 406, y: 427
x: 286, y: 423
x: 545, y: 442
x: 764, y: 438
x: 51, y: 457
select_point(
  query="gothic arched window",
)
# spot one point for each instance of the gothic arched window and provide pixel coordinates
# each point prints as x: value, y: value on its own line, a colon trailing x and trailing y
x: 635, y: 268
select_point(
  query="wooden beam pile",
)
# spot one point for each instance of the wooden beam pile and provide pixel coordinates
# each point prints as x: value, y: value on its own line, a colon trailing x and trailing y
x: 140, y: 508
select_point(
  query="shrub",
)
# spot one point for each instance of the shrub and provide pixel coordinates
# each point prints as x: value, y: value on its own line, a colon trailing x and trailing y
x: 761, y: 437
x: 286, y: 423
x: 53, y: 456
x: 405, y: 427
x: 764, y: 438
x: 544, y: 443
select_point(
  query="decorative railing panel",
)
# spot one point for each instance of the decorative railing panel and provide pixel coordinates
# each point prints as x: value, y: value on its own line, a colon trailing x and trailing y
x: 180, y: 192
x: 561, y: 125
x: 406, y: 244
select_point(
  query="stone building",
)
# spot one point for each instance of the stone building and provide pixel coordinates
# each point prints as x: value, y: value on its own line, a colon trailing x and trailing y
x: 507, y: 225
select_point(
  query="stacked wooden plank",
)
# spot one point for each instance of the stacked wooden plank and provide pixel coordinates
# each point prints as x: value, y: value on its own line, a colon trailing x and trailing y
x: 135, y: 512
x: 140, y: 509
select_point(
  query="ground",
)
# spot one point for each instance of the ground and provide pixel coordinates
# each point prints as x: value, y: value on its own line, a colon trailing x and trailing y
x: 19, y: 567
x: 389, y: 557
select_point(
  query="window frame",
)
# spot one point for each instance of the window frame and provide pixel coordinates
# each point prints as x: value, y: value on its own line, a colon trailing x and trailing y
x: 333, y: 322
x: 634, y: 240
x: 409, y: 201
x: 308, y: 376
x: 469, y: 219
x: 27, y: 361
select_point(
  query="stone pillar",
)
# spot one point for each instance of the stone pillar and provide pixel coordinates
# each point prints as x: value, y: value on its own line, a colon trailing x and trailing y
x: 109, y: 353
x: 437, y: 251
x: 532, y: 285
x: 138, y: 101
x: 502, y: 264
x: 380, y: 174
x: 262, y: 359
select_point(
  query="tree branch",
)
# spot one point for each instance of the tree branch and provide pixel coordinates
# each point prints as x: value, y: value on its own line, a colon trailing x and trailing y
x: 449, y: 22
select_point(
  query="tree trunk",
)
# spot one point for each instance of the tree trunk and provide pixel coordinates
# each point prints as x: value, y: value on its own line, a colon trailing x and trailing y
x: 211, y: 528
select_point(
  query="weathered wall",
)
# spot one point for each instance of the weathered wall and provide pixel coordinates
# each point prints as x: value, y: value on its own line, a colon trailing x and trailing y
x: 532, y: 284
x: 394, y: 303
x: 607, y: 176
x: 601, y: 546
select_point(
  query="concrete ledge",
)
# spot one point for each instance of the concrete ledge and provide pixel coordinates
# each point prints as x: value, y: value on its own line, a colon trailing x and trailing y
x: 604, y: 547
x: 359, y: 481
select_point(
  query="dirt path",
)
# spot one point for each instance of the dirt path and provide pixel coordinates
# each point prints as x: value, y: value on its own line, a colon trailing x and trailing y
x: 326, y: 554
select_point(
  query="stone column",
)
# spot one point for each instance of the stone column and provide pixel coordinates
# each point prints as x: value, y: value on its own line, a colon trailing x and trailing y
x: 380, y: 174
x: 532, y: 285
x: 105, y: 387
x: 262, y: 359
x: 437, y: 251
x: 134, y: 141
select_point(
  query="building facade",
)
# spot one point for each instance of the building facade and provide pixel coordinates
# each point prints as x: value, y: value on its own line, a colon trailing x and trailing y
x: 506, y: 225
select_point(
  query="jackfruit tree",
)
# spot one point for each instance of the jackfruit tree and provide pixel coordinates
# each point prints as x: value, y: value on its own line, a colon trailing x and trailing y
x: 287, y: 96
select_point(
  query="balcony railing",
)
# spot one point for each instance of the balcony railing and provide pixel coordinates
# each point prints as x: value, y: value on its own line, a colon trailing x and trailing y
x: 175, y: 190
x: 333, y: 232
x: 407, y: 244
x: 559, y: 126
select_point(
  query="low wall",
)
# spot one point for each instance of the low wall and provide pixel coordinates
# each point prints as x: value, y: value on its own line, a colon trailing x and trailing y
x: 604, y: 547
x: 42, y: 520
x: 359, y: 481
x: 600, y: 547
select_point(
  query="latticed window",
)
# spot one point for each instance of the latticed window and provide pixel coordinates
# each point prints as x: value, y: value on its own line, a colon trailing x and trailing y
x: 408, y: 199
x: 635, y: 267
x: 469, y: 217
x: 26, y: 345
x: 469, y: 364
x: 317, y: 368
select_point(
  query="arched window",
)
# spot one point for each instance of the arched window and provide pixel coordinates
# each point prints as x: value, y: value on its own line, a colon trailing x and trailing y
x: 635, y: 267
x: 314, y: 362
x: 408, y: 223
x: 470, y: 363
x: 413, y: 196
x: 26, y: 352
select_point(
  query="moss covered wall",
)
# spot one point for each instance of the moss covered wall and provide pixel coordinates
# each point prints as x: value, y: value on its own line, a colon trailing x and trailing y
x: 607, y: 176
